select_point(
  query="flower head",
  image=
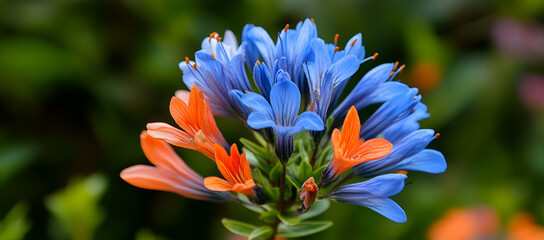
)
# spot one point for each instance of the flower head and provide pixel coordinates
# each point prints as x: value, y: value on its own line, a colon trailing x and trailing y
x: 169, y: 174
x: 281, y: 114
x: 349, y: 150
x: 235, y: 169
x: 374, y: 194
x: 195, y: 118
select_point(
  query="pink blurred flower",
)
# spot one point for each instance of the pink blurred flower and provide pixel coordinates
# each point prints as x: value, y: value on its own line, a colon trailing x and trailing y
x: 531, y: 92
x: 524, y: 40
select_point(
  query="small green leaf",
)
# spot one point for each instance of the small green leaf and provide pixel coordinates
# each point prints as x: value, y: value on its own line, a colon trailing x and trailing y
x: 304, y: 172
x: 268, y: 216
x: 303, y: 153
x: 275, y: 173
x: 253, y: 208
x: 296, y: 185
x: 260, y: 139
x: 289, y: 220
x: 238, y: 227
x: 253, y: 147
x: 328, y: 125
x: 15, y: 224
x: 318, y: 208
x: 302, y: 229
x: 261, y: 233
x: 251, y: 158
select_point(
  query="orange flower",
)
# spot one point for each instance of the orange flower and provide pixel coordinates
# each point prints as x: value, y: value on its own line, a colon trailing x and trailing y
x: 235, y: 168
x: 523, y: 227
x: 465, y: 224
x: 349, y: 150
x: 196, y: 119
x: 170, y: 174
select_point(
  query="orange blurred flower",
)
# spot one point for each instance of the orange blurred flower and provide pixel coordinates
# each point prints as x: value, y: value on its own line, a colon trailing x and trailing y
x: 522, y: 227
x: 235, y: 169
x: 466, y: 224
x: 426, y: 75
x: 349, y: 150
x: 195, y: 117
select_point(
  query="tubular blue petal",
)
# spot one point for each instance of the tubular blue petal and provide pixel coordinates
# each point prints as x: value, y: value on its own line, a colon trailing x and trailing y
x: 252, y: 53
x: 374, y: 194
x: 355, y: 47
x: 389, y: 113
x: 428, y: 160
x: 236, y: 97
x: 359, y: 96
x: 403, y: 156
x: 310, y: 121
x: 262, y: 41
x: 322, y: 59
x: 344, y: 69
x: 262, y: 79
x: 387, y: 208
x: 403, y: 128
x: 257, y: 120
x: 258, y: 103
x: 381, y: 186
x: 282, y: 75
x: 285, y: 102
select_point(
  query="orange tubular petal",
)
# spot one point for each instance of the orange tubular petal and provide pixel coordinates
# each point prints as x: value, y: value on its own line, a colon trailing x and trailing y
x: 153, y: 178
x: 222, y: 160
x: 217, y: 184
x: 163, y: 156
x: 182, y: 115
x: 374, y: 149
x: 245, y: 188
x: 351, y: 129
x: 171, y: 135
x: 246, y: 169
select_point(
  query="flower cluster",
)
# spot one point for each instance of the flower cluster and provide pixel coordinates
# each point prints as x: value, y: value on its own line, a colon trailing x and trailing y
x: 299, y: 81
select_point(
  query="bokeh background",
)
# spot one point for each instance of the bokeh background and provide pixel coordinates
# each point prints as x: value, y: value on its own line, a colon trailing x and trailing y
x: 79, y: 79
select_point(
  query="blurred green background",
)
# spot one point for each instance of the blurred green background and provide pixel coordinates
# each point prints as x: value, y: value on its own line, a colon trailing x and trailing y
x: 79, y: 79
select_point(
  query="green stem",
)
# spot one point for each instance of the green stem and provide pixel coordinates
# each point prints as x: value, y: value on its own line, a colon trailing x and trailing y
x: 314, y: 155
x: 281, y: 204
x: 282, y: 187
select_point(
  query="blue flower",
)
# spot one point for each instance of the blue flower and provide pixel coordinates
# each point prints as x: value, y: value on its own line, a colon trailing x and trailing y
x: 292, y: 45
x: 408, y: 154
x: 324, y: 76
x: 374, y: 194
x: 280, y: 113
x: 218, y: 69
